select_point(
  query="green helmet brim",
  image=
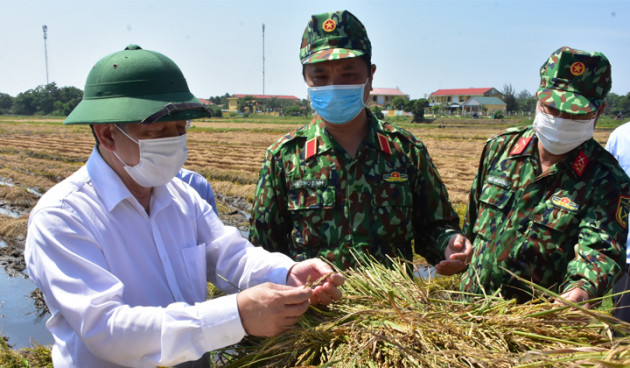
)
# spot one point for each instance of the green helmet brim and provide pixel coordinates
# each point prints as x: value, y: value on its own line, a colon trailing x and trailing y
x: 138, y: 108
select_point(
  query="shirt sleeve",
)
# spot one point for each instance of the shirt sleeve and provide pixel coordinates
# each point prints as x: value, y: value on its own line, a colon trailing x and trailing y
x: 435, y: 220
x: 66, y: 262
x: 269, y: 222
x: 600, y: 251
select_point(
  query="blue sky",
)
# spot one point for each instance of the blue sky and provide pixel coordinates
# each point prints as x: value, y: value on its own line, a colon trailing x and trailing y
x: 418, y: 46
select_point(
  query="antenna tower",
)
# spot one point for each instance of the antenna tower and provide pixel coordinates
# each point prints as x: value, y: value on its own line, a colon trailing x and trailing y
x: 263, y: 58
x: 45, y: 29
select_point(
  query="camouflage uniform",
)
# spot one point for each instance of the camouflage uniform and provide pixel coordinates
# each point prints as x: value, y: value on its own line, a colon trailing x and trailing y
x: 312, y: 199
x: 562, y: 229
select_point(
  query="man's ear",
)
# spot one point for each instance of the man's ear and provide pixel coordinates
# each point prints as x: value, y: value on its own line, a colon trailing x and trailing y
x: 103, y: 133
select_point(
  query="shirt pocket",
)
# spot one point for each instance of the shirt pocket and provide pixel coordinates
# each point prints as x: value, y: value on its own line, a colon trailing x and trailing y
x: 195, y: 265
x: 554, y: 227
x: 392, y: 205
x: 494, y: 204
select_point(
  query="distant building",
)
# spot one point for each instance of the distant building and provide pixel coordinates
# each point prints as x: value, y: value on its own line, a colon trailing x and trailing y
x: 455, y: 99
x: 205, y: 102
x: 486, y: 105
x: 385, y: 96
x: 261, y: 100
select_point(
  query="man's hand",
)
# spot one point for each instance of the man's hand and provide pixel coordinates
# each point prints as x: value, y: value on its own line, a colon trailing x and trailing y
x: 575, y: 295
x: 269, y: 309
x: 457, y: 256
x: 327, y: 290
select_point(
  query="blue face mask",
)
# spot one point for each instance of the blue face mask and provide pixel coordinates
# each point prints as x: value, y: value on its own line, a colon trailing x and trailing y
x: 337, y: 104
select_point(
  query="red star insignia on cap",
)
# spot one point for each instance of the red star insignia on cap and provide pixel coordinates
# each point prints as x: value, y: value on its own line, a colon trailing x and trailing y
x: 577, y: 68
x: 329, y: 25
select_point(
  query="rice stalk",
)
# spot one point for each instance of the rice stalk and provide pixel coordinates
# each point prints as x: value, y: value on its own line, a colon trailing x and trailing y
x: 387, y: 319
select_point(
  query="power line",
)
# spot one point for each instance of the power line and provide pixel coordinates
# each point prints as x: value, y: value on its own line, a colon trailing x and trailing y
x: 263, y: 59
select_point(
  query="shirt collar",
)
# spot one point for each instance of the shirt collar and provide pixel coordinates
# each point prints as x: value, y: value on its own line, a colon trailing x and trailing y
x: 112, y: 190
x: 318, y: 141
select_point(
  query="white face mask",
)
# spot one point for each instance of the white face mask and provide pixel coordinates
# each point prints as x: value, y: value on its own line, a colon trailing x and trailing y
x: 559, y: 135
x: 160, y: 159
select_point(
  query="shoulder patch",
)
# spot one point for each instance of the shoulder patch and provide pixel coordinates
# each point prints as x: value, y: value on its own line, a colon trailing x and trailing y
x: 520, y: 146
x: 580, y: 163
x: 310, y: 148
x: 384, y: 143
x: 623, y: 208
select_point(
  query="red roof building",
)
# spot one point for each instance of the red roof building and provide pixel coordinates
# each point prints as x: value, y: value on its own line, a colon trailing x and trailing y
x: 458, y: 96
x: 384, y: 96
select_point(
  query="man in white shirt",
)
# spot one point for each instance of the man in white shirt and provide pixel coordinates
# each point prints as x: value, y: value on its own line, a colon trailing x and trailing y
x: 123, y: 252
x: 618, y: 145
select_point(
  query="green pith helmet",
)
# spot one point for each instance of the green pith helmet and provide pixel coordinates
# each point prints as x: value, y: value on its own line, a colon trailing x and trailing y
x: 136, y: 86
x: 574, y: 81
x: 332, y: 36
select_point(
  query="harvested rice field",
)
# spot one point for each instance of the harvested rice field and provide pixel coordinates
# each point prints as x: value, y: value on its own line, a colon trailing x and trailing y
x: 385, y: 320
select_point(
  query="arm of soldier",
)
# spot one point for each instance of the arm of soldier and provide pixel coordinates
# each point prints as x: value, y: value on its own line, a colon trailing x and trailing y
x: 269, y: 223
x: 459, y: 250
x: 435, y: 220
x: 600, y: 251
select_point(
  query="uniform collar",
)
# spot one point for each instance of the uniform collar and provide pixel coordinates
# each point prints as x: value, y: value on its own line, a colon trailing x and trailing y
x: 318, y: 141
x: 575, y: 161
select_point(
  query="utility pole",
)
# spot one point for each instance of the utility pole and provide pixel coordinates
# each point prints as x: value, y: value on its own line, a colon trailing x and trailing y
x: 263, y: 58
x: 45, y: 29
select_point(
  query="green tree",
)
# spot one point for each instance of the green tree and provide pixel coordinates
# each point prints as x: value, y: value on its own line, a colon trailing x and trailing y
x: 526, y: 102
x: 416, y: 107
x: 509, y: 97
x: 6, y: 101
x: 399, y: 102
x: 378, y: 113
x: 293, y: 110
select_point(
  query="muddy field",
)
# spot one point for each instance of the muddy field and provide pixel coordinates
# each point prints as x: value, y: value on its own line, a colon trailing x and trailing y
x: 36, y: 154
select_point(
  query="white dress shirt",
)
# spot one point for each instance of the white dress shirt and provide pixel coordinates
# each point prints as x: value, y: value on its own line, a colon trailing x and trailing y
x: 618, y: 145
x: 125, y: 288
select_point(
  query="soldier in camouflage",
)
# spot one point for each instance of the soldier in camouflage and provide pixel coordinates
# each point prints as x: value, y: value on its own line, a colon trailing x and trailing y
x: 348, y: 182
x: 549, y: 204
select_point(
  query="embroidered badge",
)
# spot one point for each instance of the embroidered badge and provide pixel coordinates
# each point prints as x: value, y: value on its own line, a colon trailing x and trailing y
x: 564, y: 202
x: 395, y: 177
x: 329, y: 25
x: 580, y: 163
x: 501, y: 182
x: 520, y: 146
x: 310, y: 148
x: 623, y: 208
x: 308, y: 184
x: 384, y: 143
x: 577, y: 68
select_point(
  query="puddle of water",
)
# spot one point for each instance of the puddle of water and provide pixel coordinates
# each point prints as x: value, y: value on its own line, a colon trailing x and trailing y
x: 9, y: 212
x: 18, y: 316
x: 3, y: 244
x: 425, y: 272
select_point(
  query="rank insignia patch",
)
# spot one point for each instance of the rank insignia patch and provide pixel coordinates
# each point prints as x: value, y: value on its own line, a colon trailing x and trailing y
x: 564, y: 202
x: 623, y: 208
x: 580, y: 163
x: 384, y: 144
x: 311, y: 148
x: 395, y: 177
x: 520, y: 146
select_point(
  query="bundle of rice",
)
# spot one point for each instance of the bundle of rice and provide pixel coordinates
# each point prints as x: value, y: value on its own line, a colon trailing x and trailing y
x: 386, y: 319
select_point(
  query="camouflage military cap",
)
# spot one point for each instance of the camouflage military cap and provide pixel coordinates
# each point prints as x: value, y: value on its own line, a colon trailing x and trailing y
x: 574, y: 81
x: 332, y: 36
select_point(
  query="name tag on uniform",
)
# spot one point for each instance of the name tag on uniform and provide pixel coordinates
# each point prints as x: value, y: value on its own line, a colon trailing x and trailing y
x: 501, y: 182
x: 298, y: 184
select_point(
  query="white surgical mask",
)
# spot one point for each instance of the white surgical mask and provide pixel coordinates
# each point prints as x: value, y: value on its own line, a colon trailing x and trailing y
x: 160, y: 159
x: 559, y: 135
